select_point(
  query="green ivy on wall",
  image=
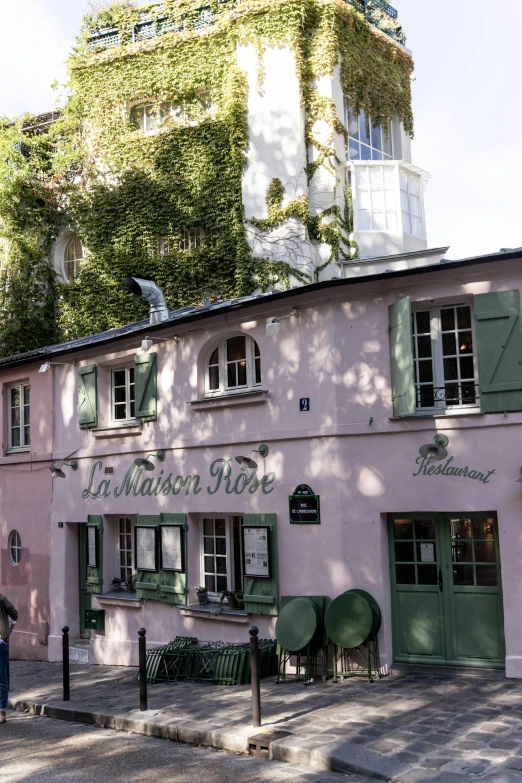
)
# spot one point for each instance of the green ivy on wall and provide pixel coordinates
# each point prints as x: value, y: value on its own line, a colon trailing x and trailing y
x: 133, y: 197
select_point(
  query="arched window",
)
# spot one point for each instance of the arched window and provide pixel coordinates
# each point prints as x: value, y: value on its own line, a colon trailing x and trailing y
x: 72, y: 258
x: 233, y: 365
x: 15, y: 547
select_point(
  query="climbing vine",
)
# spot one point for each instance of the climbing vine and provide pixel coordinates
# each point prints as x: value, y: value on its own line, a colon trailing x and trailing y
x: 134, y: 198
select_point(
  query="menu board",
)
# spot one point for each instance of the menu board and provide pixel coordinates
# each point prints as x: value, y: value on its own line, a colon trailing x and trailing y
x: 171, y: 539
x: 92, y: 559
x: 145, y: 547
x: 256, y: 552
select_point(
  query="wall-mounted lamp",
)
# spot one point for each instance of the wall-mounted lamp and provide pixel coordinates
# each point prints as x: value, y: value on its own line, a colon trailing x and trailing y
x: 57, y: 472
x: 247, y: 463
x: 435, y: 451
x: 148, y: 342
x: 274, y: 327
x: 144, y: 462
x: 47, y: 365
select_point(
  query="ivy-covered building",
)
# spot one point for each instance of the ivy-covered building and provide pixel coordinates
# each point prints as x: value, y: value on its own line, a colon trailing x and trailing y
x: 219, y: 150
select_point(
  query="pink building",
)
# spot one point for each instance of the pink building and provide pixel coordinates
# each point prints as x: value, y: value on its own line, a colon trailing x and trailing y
x: 348, y: 392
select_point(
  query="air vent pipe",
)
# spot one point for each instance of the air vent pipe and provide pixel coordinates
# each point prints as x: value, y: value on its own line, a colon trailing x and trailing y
x: 158, y: 306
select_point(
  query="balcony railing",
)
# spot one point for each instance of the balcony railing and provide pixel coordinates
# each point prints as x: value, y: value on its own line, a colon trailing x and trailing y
x: 453, y: 394
x: 204, y: 17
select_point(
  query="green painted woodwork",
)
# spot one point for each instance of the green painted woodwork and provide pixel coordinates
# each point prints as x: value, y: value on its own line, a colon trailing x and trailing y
x: 87, y: 397
x: 94, y: 581
x: 462, y: 623
x: 349, y: 620
x: 376, y: 611
x: 297, y: 624
x: 84, y: 595
x: 261, y: 596
x: 499, y: 350
x: 148, y: 582
x: 173, y: 584
x: 145, y: 386
x: 401, y: 351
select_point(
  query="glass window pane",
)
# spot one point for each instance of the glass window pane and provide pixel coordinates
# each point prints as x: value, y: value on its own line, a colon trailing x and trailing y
x: 376, y: 177
x: 377, y: 199
x: 423, y: 323
x: 209, y: 564
x: 353, y: 150
x: 363, y: 220
x: 468, y: 394
x: 120, y: 412
x: 221, y: 546
x: 213, y: 378
x: 427, y: 574
x: 26, y: 395
x: 460, y: 528
x: 391, y: 220
x: 466, y: 367
x: 449, y: 344
x: 236, y: 349
x: 462, y: 551
x: 221, y: 565
x: 122, y: 542
x: 485, y: 552
x: 426, y: 397
x: 208, y: 545
x: 404, y: 551
x: 388, y: 147
x: 376, y: 155
x: 258, y: 369
x: 15, y: 397
x: 464, y: 317
x: 232, y: 375
x: 214, y: 359
x: 363, y: 131
x: 484, y: 528
x: 425, y: 371
x: 366, y: 152
x: 376, y: 137
x: 27, y: 414
x: 119, y: 394
x: 447, y: 319
x: 221, y: 583
x: 220, y: 527
x: 451, y: 394
x: 403, y: 528
x: 424, y: 347
x: 463, y: 575
x: 242, y: 373
x: 450, y: 370
x: 15, y: 437
x: 119, y: 377
x: 352, y: 122
x: 208, y: 527
x: 405, y: 574
x: 465, y: 342
x: 27, y: 439
x: 378, y: 221
x: 424, y: 528
x: 487, y: 576
x: 210, y: 583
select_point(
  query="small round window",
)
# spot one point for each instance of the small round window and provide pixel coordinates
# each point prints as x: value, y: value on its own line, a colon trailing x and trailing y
x: 15, y: 547
x: 72, y: 258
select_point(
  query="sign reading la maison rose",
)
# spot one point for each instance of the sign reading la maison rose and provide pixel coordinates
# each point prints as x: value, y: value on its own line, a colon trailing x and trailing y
x: 135, y: 483
x: 427, y: 468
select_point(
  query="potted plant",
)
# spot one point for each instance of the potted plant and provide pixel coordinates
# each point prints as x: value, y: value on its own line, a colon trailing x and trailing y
x: 130, y: 582
x: 240, y: 600
x: 116, y: 583
x: 202, y: 594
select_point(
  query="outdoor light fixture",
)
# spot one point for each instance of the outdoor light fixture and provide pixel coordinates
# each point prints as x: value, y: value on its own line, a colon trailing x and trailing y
x: 47, y: 365
x: 57, y: 472
x: 148, y: 342
x: 274, y: 327
x: 435, y: 451
x: 247, y: 463
x: 144, y: 462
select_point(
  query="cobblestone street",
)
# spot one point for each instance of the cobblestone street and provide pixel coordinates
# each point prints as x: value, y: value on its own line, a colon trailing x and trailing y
x: 431, y: 725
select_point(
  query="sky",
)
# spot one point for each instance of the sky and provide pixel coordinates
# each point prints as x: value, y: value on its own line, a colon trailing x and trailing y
x: 466, y: 100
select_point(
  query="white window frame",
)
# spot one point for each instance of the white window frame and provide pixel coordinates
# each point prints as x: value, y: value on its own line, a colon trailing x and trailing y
x: 128, y: 418
x: 214, y: 596
x: 385, y: 156
x: 15, y: 544
x: 23, y: 445
x: 119, y: 567
x: 396, y: 167
x: 158, y: 111
x: 77, y: 261
x: 224, y: 389
x: 437, y: 357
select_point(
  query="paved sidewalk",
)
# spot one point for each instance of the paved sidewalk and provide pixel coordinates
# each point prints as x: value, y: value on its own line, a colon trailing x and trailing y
x: 424, y: 725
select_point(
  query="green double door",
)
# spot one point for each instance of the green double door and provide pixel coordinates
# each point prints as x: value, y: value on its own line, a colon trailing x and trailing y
x: 446, y: 589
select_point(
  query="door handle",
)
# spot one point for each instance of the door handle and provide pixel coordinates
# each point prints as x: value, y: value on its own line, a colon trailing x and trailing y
x: 441, y: 586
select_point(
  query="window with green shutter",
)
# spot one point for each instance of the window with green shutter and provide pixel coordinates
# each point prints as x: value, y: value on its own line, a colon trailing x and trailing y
x: 401, y: 352
x: 148, y: 582
x: 145, y: 386
x: 94, y: 581
x: 499, y: 342
x: 261, y: 596
x: 87, y: 397
x: 173, y: 583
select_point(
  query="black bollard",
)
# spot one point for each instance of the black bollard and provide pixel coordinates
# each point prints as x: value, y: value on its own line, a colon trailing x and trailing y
x: 254, y: 672
x: 143, y: 670
x: 65, y: 661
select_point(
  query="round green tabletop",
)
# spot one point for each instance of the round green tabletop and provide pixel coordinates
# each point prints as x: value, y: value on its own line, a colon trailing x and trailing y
x: 376, y: 611
x: 349, y: 620
x: 296, y: 624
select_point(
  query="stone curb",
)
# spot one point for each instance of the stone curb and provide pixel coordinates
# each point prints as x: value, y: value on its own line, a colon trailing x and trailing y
x: 340, y: 757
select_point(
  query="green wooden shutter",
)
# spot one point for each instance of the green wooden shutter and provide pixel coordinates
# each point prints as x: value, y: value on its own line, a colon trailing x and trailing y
x: 147, y: 582
x: 173, y: 584
x: 145, y: 386
x: 261, y: 596
x: 94, y: 581
x: 401, y: 349
x: 499, y: 350
x: 87, y: 397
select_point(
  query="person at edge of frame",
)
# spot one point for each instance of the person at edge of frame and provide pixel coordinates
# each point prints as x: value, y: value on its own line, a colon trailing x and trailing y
x: 8, y: 618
